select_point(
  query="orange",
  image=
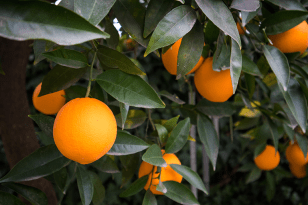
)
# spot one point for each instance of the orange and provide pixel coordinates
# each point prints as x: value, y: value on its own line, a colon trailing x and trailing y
x: 212, y: 85
x: 84, y: 130
x: 297, y: 170
x: 170, y: 59
x: 295, y: 155
x: 167, y: 173
x: 293, y: 40
x: 268, y: 159
x: 48, y: 104
x: 239, y: 28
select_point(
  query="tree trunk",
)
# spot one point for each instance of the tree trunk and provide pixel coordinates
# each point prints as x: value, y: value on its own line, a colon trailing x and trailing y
x: 16, y: 128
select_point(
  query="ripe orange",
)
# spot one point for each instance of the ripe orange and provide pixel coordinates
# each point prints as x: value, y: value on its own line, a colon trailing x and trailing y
x: 239, y: 28
x: 170, y: 59
x: 295, y: 155
x: 268, y: 159
x: 297, y: 170
x: 48, y: 104
x: 167, y: 173
x: 293, y: 40
x: 212, y: 85
x: 84, y: 130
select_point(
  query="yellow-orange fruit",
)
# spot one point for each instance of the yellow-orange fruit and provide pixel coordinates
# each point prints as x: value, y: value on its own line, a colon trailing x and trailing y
x: 293, y: 40
x: 295, y: 155
x: 268, y: 159
x: 48, y: 104
x: 170, y: 59
x: 239, y: 28
x: 297, y: 170
x: 167, y: 173
x: 212, y: 85
x: 84, y: 130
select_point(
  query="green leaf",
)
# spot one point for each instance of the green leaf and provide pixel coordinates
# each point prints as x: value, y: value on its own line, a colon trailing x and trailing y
x: 211, y: 33
x: 60, y: 78
x: 274, y: 132
x: 60, y: 178
x: 192, y: 177
x: 270, y: 186
x: 279, y: 64
x: 127, y: 144
x: 124, y: 111
x: 221, y: 16
x: 160, y: 187
x: 247, y: 16
x: 42, y: 162
x: 259, y: 149
x: 135, y: 118
x: 67, y: 29
x: 246, y: 123
x: 44, y: 138
x: 66, y: 57
x: 113, y: 41
x: 245, y: 5
x: 93, y: 10
x: 221, y: 58
x: 297, y: 102
x: 190, y: 50
x: 69, y: 4
x: 6, y: 198
x: 179, y: 193
x: 178, y: 136
x: 162, y: 133
x: 156, y: 10
x: 246, y: 167
x: 171, y: 123
x: 250, y: 84
x: 75, y: 91
x: 130, y: 165
x: 99, y: 189
x: 302, y: 142
x: 154, y: 156
x: 288, y: 5
x: 149, y: 198
x: 171, y: 97
x: 38, y: 49
x: 85, y: 185
x: 253, y: 175
x: 135, y: 187
x: 33, y: 195
x: 215, y: 109
x: 208, y: 137
x: 45, y: 123
x: 106, y: 164
x: 235, y: 64
x: 129, y: 89
x: 250, y: 67
x: 172, y: 27
x: 289, y: 131
x: 282, y: 21
x: 114, y: 59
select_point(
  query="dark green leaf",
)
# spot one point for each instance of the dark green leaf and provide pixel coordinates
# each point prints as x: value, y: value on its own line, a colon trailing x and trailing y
x: 270, y: 186
x: 274, y: 132
x: 190, y: 50
x: 60, y: 178
x: 178, y: 136
x: 279, y: 64
x: 34, y: 195
x: 75, y: 91
x: 211, y: 33
x: 106, y: 164
x: 130, y: 164
x: 98, y: 93
x: 250, y: 84
x: 302, y: 142
x: 162, y: 133
x: 60, y: 78
x: 67, y: 29
x: 221, y: 16
x: 245, y: 5
x: 215, y: 109
x: 247, y: 16
x: 45, y: 139
x: 113, y: 41
x: 171, y: 97
x: 250, y: 67
x: 259, y: 149
x: 66, y: 57
x: 282, y: 21
x: 171, y: 123
x: 246, y: 123
x: 124, y: 111
x: 192, y: 177
x: 154, y: 156
x: 172, y: 27
x: 129, y: 89
x: 6, y: 199
x: 179, y: 193
x: 289, y: 131
x: 208, y: 137
x: 254, y: 175
x: 38, y: 49
x: 45, y: 123
x: 114, y: 59
x: 42, y: 162
x: 235, y: 64
x: 135, y: 118
x: 221, y: 58
x: 149, y: 198
x: 85, y: 185
x: 246, y: 167
x: 127, y: 144
x: 288, y: 5
x: 93, y: 10
x: 99, y: 189
x: 135, y: 187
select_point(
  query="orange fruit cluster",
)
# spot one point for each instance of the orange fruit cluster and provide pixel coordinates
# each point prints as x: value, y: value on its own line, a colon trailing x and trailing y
x: 268, y: 159
x: 297, y: 160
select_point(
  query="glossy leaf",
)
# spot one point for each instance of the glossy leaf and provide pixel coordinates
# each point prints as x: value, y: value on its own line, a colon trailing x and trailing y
x: 302, y: 142
x: 45, y: 123
x: 221, y: 58
x: 279, y: 64
x: 178, y: 136
x: 289, y: 5
x: 66, y: 57
x: 113, y: 41
x: 85, y: 185
x: 114, y: 59
x: 154, y: 156
x: 171, y: 123
x: 149, y: 198
x: 254, y: 175
x: 42, y: 162
x: 247, y: 16
x: 221, y: 16
x: 99, y: 189
x: 235, y: 64
x: 162, y: 133
x: 129, y: 89
x: 135, y: 187
x: 60, y: 78
x: 179, y: 193
x: 208, y: 137
x: 171, y: 97
x: 245, y: 5
x: 172, y: 27
x: 134, y: 119
x: 6, y: 198
x: 106, y: 164
x: 192, y: 177
x: 67, y: 29
x: 215, y: 109
x: 127, y: 144
x: 250, y: 67
x: 124, y: 111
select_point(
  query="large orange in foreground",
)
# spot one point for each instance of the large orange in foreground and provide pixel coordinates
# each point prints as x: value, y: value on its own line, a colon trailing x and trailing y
x: 268, y: 159
x: 167, y: 173
x: 84, y: 130
x: 170, y: 59
x: 48, y: 104
x: 213, y: 86
x: 293, y: 40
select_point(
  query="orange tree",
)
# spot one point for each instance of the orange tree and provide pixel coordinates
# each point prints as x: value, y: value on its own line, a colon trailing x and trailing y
x: 253, y: 87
